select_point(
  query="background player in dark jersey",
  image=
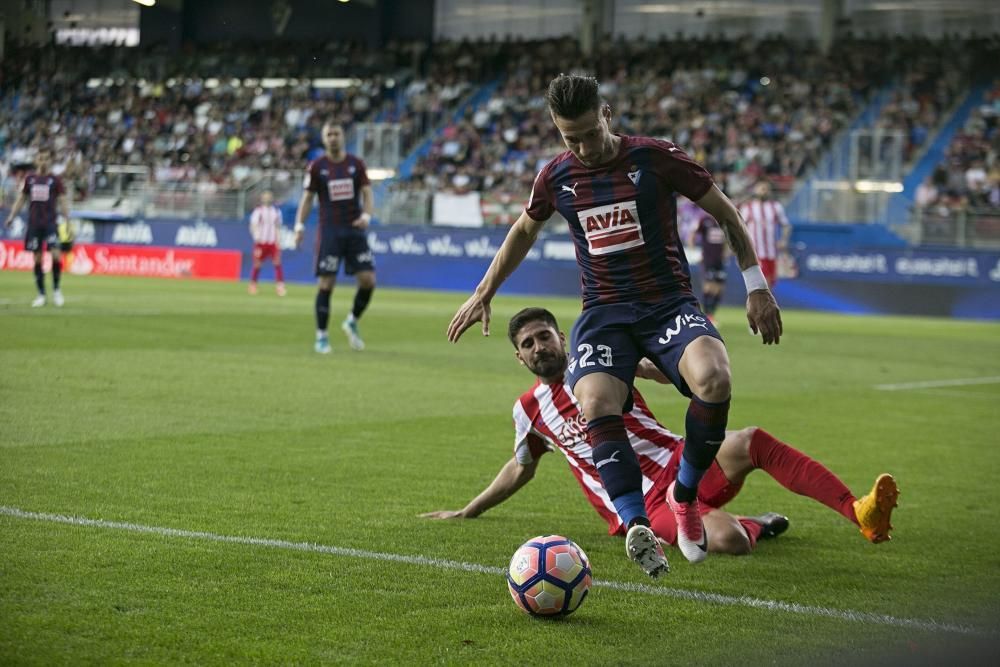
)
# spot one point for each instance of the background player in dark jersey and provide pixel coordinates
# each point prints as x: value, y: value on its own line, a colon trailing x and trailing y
x: 340, y: 182
x: 617, y: 192
x: 46, y: 198
x: 707, y: 235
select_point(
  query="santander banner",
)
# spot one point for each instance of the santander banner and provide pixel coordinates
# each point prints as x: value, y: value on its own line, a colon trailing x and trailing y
x: 122, y: 260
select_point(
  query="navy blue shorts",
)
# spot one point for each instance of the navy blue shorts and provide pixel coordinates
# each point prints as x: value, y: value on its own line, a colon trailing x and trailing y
x: 37, y: 237
x: 613, y: 338
x: 349, y: 249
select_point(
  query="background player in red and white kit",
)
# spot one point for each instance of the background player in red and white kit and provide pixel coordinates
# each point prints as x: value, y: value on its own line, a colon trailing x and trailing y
x: 548, y: 418
x: 265, y: 229
x: 769, y: 229
x: 340, y: 181
x: 707, y: 235
x: 46, y: 199
x: 617, y: 193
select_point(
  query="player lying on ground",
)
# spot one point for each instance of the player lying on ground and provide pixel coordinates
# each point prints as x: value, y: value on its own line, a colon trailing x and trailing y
x: 548, y: 417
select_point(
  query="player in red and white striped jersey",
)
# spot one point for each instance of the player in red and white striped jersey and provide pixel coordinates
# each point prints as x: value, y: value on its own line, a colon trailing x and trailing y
x: 548, y: 418
x: 769, y: 229
x: 265, y: 228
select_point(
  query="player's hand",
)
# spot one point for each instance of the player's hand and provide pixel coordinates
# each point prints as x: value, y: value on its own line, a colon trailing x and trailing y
x: 475, y: 309
x: 764, y: 316
x: 362, y: 221
x: 648, y: 370
x: 299, y: 235
x: 8, y: 223
x: 443, y: 514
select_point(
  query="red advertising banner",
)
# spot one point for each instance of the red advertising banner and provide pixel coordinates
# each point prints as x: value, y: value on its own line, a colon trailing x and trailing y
x: 122, y: 260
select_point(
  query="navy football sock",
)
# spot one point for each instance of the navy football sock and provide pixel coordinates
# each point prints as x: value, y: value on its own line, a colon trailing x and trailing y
x: 361, y: 299
x: 39, y: 278
x: 56, y: 273
x: 705, y: 430
x: 323, y: 309
x: 618, y: 467
x: 711, y: 302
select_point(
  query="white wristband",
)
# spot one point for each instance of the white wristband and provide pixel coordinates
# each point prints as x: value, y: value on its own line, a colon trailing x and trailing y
x: 753, y: 278
x: 367, y: 217
x: 298, y: 227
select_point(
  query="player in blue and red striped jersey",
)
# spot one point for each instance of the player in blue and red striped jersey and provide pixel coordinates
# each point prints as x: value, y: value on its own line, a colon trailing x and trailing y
x: 617, y: 193
x: 340, y: 181
x: 707, y: 234
x: 46, y: 198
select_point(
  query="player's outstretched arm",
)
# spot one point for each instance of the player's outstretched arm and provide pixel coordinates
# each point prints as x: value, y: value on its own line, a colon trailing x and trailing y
x: 508, y: 481
x: 305, y: 206
x: 763, y: 313
x: 18, y: 203
x: 519, y: 240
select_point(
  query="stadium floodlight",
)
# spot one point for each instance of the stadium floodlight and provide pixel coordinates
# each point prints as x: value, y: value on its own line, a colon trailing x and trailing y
x: 145, y: 3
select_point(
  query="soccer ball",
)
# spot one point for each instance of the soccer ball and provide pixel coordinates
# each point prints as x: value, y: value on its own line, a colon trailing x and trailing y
x: 549, y: 576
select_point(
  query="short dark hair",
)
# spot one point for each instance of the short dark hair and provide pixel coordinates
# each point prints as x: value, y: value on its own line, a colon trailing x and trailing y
x: 570, y: 95
x: 522, y: 318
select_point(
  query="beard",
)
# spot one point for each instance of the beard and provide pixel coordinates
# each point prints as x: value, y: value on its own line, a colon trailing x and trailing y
x: 549, y: 365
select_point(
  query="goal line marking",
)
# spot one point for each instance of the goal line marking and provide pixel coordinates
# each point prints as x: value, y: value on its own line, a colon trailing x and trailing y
x: 440, y: 563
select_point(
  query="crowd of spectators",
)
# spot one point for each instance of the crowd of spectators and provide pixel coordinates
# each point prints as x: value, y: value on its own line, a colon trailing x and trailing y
x: 207, y: 114
x: 969, y: 176
x: 746, y: 109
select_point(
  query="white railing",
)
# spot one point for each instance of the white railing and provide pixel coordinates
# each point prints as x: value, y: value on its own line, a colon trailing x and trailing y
x: 962, y: 228
x: 129, y: 191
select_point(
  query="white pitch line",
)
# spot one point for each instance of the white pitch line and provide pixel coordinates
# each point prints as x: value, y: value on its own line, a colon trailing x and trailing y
x: 692, y: 596
x: 930, y: 384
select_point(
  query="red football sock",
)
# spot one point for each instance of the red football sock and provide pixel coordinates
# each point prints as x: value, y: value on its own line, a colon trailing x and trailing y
x: 798, y: 473
x: 752, y: 529
x: 255, y: 274
x: 279, y: 274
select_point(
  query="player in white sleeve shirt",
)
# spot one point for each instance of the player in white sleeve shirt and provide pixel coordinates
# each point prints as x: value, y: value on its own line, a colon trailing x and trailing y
x: 265, y: 228
x: 768, y: 227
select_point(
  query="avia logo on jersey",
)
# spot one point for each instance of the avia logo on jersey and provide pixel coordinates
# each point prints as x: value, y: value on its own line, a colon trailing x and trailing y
x: 613, y: 228
x: 340, y: 189
x: 40, y: 192
x: 138, y: 232
x: 199, y: 236
x: 684, y: 321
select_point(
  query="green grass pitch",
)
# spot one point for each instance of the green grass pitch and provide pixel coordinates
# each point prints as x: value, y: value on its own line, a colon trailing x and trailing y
x: 195, y: 407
